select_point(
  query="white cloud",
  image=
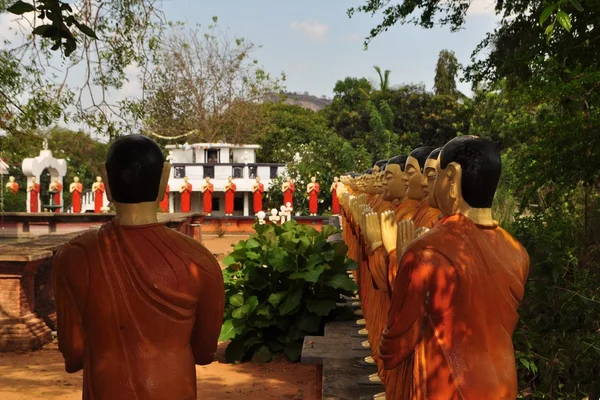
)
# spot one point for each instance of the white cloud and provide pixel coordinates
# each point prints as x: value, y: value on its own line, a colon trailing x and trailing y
x: 352, y: 37
x: 312, y: 29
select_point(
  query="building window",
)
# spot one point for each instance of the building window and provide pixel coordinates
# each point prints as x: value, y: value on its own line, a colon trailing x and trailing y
x: 216, y: 204
x: 209, y: 172
x: 238, y: 203
x: 252, y: 172
x: 238, y: 172
x: 179, y: 172
x: 273, y: 173
x: 213, y: 156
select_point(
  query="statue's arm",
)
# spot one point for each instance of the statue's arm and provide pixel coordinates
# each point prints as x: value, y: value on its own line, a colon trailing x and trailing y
x: 70, y: 285
x: 209, y: 314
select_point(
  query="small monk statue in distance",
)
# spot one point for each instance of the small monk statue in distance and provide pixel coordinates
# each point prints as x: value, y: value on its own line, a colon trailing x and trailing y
x: 137, y: 304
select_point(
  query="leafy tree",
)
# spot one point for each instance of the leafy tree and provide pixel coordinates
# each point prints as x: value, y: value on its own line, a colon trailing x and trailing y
x: 446, y: 72
x: 204, y: 84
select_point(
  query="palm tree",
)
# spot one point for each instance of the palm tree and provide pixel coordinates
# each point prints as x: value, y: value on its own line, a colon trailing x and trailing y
x: 384, y: 79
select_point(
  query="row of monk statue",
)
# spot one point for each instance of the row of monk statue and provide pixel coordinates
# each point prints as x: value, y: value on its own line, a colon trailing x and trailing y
x: 258, y: 189
x: 138, y: 304
x: 439, y: 280
x: 55, y: 189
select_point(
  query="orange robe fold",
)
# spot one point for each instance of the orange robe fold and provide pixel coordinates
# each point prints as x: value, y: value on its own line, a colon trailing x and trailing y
x: 453, y: 313
x: 13, y: 187
x: 425, y: 216
x: 137, y: 307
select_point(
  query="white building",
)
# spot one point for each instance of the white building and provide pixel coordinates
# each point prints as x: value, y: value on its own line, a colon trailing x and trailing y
x: 218, y: 161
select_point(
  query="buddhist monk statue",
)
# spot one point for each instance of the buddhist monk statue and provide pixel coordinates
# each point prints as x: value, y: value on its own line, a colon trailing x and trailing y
x: 455, y: 299
x: 335, y: 202
x: 12, y: 187
x: 207, y: 189
x: 164, y: 203
x: 56, y: 187
x: 230, y: 189
x: 428, y: 213
x: 313, y: 189
x: 258, y: 189
x: 34, y: 196
x: 288, y: 190
x: 76, y: 188
x: 137, y: 304
x: 186, y: 195
x: 98, y: 190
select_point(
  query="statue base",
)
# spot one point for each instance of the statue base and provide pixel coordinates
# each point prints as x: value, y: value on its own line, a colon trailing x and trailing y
x: 23, y: 334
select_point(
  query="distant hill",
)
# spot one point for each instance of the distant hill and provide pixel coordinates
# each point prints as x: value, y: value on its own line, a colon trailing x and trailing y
x: 304, y: 100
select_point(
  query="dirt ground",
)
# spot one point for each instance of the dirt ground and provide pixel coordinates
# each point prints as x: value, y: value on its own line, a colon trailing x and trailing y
x: 40, y: 375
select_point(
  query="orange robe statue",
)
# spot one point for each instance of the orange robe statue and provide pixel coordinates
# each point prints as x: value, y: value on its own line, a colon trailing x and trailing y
x: 426, y: 216
x: 34, y: 204
x: 313, y: 199
x: 164, y: 204
x: 186, y: 198
x: 76, y: 197
x: 460, y: 351
x: 99, y: 198
x: 138, y: 304
x: 335, y: 202
x: 288, y: 195
x: 230, y: 198
x: 13, y: 187
x: 58, y: 187
x: 207, y: 199
x: 258, y: 198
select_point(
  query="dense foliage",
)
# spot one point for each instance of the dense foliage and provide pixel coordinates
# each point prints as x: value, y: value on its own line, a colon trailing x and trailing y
x: 282, y: 284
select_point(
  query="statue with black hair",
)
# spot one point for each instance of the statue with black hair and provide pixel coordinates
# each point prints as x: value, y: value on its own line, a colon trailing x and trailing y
x: 428, y: 213
x: 137, y: 304
x: 455, y: 299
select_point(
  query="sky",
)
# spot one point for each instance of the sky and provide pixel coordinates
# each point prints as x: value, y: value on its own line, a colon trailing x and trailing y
x: 316, y: 44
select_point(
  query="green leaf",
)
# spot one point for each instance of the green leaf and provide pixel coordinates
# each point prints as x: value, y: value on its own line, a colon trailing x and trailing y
x: 328, y: 230
x: 321, y: 307
x: 312, y: 275
x: 576, y: 4
x: 564, y: 19
x: 228, y: 331
x: 351, y: 265
x: 251, y: 302
x: 20, y: 8
x: 291, y: 302
x: 293, y: 350
x: 276, y: 298
x: 252, y: 244
x: 524, y: 362
x: 262, y: 355
x: 304, y: 244
x: 313, y: 260
x: 45, y: 31
x: 546, y: 13
x: 229, y: 260
x: 237, y: 300
x: 235, y: 351
x: 86, y: 30
x: 341, y: 281
x: 276, y: 259
x: 548, y: 32
x: 240, y: 312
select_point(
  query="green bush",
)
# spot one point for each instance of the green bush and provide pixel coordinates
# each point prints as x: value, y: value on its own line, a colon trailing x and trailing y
x: 282, y: 284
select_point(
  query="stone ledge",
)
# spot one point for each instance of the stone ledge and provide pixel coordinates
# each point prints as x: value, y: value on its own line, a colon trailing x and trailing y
x: 23, y: 334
